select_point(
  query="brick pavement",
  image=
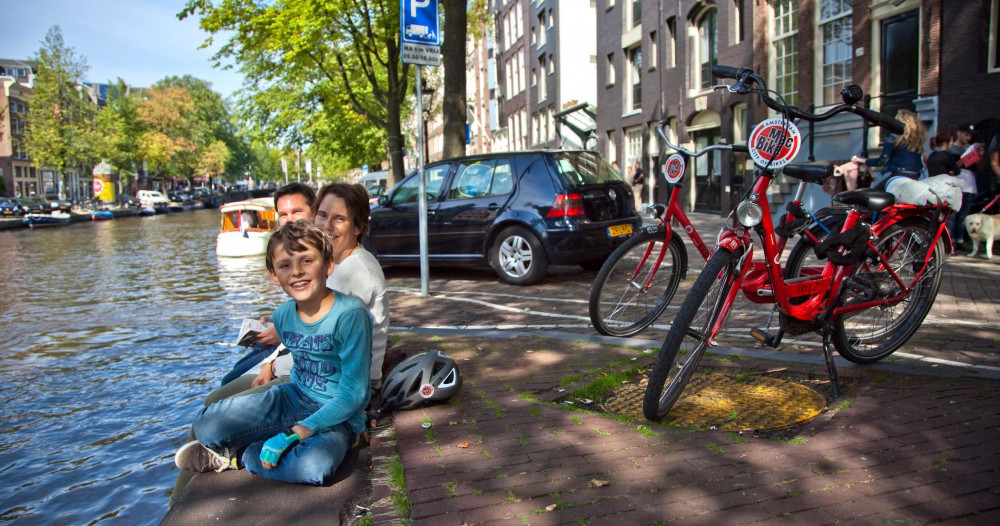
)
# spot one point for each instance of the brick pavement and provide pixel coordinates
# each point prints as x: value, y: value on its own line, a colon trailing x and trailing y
x: 911, y: 442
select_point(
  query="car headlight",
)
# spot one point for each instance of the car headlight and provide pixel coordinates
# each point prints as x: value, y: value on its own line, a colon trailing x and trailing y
x: 749, y: 213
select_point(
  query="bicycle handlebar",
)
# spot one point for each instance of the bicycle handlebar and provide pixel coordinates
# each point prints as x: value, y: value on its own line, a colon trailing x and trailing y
x: 718, y: 146
x: 745, y: 77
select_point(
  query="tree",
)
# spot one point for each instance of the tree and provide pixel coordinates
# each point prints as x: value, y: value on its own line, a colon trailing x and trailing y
x: 61, y: 115
x: 316, y: 66
x: 167, y: 143
x: 453, y: 59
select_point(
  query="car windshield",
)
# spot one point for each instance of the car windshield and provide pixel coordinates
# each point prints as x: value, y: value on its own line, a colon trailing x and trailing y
x: 585, y: 168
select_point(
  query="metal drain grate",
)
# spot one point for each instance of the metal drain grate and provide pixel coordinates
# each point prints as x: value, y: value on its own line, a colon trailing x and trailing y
x: 759, y: 403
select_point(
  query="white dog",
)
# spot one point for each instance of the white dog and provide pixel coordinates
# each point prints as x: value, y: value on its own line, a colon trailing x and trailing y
x: 982, y: 227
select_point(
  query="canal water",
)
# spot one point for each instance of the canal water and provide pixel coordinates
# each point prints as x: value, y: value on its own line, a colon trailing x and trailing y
x: 112, y: 334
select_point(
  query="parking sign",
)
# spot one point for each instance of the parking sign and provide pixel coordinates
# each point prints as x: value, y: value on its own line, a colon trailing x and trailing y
x: 418, y: 22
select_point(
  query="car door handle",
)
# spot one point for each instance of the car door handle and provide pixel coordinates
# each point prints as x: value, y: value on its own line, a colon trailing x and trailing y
x: 431, y: 212
x: 492, y: 206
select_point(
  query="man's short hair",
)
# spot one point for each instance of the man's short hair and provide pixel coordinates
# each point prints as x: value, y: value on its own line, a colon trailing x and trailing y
x: 966, y: 127
x: 296, y: 188
x: 298, y: 236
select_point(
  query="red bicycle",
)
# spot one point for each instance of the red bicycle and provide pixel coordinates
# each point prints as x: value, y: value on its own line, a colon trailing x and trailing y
x: 876, y: 285
x: 637, y: 282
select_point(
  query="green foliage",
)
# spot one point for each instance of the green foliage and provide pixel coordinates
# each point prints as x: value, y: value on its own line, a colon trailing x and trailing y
x: 326, y: 75
x: 60, y: 118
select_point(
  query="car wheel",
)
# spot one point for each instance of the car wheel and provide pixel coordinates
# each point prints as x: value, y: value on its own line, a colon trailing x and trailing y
x: 518, y: 257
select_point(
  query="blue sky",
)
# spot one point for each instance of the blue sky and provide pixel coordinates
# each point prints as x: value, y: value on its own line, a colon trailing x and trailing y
x: 139, y: 41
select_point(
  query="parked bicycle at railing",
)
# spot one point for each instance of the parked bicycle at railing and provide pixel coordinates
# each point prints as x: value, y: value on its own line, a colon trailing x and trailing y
x: 639, y: 279
x: 879, y: 279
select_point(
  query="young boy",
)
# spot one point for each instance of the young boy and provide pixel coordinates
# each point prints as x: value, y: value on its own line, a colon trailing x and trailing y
x: 297, y: 431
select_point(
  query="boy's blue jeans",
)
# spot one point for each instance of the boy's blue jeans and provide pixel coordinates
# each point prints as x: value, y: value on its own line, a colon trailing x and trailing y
x: 247, y: 421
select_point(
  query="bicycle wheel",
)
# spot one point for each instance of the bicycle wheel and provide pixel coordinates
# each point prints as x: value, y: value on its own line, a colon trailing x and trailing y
x: 872, y: 334
x: 690, y: 333
x: 621, y: 306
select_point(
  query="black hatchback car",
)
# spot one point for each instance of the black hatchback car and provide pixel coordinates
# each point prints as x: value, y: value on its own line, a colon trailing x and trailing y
x: 517, y: 211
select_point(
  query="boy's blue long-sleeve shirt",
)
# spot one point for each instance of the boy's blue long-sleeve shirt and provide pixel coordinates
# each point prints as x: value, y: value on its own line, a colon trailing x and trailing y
x: 332, y: 359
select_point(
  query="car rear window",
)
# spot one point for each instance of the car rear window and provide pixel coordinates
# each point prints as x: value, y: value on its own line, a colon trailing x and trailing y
x: 585, y: 168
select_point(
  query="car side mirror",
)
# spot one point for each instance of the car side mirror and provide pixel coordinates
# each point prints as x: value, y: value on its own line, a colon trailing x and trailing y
x: 383, y: 200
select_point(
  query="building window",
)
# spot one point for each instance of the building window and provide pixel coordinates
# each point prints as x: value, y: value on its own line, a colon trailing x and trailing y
x: 542, y: 92
x: 634, y: 95
x: 740, y: 123
x: 552, y: 19
x: 541, y: 28
x: 612, y: 148
x: 634, y: 14
x: 611, y: 69
x: 994, y: 51
x: 653, y: 53
x: 633, y: 146
x: 672, y: 56
x: 785, y: 29
x: 738, y: 20
x: 835, y: 28
x: 707, y: 48
x: 552, y: 64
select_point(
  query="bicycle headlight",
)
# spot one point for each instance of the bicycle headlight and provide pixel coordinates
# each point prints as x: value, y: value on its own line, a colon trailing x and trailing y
x: 749, y: 213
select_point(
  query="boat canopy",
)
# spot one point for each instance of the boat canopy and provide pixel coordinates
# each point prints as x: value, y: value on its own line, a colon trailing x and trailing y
x: 256, y: 215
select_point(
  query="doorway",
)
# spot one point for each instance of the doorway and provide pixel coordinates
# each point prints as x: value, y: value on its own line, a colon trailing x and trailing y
x: 900, y: 61
x: 707, y: 172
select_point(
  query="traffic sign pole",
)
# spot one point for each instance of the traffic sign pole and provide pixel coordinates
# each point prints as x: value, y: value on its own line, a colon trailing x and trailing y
x: 422, y: 194
x: 419, y: 38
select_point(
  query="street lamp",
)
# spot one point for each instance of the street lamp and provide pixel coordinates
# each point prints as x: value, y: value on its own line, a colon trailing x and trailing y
x: 427, y: 100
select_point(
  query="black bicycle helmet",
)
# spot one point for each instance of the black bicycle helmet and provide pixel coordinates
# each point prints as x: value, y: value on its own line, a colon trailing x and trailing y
x: 421, y: 378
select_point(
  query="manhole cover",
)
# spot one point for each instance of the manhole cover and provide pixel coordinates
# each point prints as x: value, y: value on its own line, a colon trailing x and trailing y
x: 758, y: 403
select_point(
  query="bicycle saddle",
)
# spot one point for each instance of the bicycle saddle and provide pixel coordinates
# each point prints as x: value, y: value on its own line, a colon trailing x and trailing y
x: 871, y: 200
x: 815, y: 172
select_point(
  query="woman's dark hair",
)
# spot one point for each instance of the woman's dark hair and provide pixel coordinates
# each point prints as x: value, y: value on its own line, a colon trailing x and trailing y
x: 942, y: 137
x: 355, y: 198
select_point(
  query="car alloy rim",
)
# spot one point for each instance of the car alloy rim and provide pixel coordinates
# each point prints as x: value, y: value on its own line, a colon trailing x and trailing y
x: 515, y: 256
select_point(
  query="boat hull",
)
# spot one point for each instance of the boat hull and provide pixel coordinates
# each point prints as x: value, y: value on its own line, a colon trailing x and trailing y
x: 45, y: 220
x: 238, y: 245
x: 102, y: 215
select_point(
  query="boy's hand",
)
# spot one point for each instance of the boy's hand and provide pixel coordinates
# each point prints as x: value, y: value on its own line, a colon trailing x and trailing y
x: 276, y: 446
x: 268, y: 338
x: 266, y: 374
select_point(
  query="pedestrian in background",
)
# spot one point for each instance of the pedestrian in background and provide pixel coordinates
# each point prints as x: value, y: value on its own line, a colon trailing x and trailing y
x: 904, y: 153
x: 639, y: 185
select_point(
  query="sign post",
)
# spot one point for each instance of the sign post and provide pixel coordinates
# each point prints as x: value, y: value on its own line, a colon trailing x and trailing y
x: 419, y: 34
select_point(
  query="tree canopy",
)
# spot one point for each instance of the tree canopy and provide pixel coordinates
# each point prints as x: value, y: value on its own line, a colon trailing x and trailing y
x: 326, y: 75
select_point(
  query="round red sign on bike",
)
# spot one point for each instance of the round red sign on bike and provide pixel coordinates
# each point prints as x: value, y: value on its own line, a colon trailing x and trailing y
x: 775, y: 141
x: 427, y: 390
x: 673, y: 169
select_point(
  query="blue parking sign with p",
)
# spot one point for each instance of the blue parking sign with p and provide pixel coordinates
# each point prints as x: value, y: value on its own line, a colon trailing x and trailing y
x: 419, y: 22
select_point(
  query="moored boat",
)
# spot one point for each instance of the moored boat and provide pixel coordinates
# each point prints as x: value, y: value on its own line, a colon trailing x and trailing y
x: 246, y: 227
x: 101, y: 215
x: 46, y: 220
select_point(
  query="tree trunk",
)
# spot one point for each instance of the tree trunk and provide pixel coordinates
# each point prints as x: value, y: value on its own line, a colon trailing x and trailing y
x: 453, y: 60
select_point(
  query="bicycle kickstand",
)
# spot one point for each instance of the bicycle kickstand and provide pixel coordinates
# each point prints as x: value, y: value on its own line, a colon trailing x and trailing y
x: 831, y: 367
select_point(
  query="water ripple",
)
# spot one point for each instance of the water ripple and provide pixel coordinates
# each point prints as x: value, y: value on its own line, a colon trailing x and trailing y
x: 114, y: 331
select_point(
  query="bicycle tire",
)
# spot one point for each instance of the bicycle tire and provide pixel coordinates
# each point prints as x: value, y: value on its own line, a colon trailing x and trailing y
x: 870, y: 335
x: 618, y: 307
x: 702, y: 307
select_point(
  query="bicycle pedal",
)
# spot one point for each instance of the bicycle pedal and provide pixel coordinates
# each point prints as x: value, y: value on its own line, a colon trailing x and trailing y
x: 762, y: 336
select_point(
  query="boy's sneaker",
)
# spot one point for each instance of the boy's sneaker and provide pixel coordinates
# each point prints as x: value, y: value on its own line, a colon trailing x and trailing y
x: 195, y: 457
